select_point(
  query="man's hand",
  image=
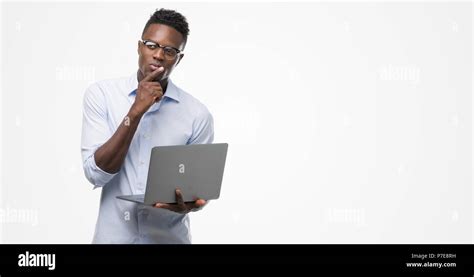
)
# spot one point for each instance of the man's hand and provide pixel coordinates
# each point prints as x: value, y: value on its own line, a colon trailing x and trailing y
x: 182, y: 207
x: 148, y: 92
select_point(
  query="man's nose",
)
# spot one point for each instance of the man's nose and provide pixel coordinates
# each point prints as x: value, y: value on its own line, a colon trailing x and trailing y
x: 159, y: 54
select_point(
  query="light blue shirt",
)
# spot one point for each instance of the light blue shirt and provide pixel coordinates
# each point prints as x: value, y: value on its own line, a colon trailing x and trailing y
x: 177, y: 119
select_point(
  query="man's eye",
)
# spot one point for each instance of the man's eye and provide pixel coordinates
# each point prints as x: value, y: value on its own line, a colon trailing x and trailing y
x: 170, y: 51
x: 151, y: 46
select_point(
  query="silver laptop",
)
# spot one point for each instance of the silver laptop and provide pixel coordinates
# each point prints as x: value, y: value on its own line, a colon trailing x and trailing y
x: 195, y: 169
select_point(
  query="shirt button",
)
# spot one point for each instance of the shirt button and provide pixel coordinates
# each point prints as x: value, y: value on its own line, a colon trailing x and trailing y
x: 146, y: 136
x: 142, y: 162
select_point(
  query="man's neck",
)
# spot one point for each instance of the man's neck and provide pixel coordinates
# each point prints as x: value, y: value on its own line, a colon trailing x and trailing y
x: 163, y: 83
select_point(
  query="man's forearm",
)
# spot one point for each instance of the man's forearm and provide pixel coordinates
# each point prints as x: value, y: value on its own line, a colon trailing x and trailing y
x: 110, y: 156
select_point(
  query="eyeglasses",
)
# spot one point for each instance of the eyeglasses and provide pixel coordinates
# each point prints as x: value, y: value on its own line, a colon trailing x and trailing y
x: 170, y: 52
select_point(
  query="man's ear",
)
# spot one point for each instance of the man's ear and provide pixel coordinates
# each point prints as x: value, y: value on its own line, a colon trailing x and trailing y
x: 180, y: 58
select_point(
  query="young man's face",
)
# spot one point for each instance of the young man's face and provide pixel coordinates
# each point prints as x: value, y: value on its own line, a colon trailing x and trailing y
x: 150, y: 59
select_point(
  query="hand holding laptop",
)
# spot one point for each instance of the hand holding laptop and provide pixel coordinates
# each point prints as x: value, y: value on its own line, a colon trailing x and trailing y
x: 181, y: 206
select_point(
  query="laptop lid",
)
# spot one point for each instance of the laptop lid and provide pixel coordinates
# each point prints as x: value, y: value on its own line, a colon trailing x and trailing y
x: 196, y: 169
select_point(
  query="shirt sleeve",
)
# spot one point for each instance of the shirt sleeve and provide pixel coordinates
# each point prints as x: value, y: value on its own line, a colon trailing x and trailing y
x: 203, y: 133
x: 203, y: 128
x: 95, y: 132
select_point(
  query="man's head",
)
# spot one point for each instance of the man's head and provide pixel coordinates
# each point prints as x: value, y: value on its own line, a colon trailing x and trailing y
x: 163, y: 40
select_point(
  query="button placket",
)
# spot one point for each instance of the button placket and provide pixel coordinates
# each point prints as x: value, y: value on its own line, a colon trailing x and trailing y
x: 144, y: 146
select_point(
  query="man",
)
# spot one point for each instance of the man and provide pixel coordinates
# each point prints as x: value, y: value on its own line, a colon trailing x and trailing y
x: 124, y: 119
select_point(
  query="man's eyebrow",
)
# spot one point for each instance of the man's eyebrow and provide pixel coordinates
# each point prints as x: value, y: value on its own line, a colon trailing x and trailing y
x: 147, y: 39
x: 156, y: 42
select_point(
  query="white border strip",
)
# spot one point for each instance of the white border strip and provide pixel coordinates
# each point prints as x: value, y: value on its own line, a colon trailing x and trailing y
x: 235, y: 1
x: 472, y: 126
x: 1, y: 123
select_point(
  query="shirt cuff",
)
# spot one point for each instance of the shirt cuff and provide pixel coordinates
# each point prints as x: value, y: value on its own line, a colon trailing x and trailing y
x: 95, y: 174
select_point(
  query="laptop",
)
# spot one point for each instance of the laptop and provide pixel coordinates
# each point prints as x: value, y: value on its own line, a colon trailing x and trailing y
x: 196, y: 169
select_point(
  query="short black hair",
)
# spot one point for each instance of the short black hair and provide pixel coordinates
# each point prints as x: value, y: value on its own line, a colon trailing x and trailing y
x: 171, y: 18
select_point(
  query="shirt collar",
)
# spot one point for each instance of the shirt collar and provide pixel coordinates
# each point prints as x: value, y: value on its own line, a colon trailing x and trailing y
x: 171, y: 91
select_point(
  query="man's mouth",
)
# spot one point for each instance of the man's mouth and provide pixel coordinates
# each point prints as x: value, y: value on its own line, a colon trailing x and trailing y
x: 154, y: 66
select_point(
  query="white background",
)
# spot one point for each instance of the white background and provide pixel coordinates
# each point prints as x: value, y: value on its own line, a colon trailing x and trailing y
x: 346, y: 122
